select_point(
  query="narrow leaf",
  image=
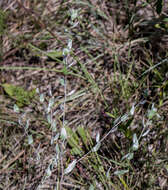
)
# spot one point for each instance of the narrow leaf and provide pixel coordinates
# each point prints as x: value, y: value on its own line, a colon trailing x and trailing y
x: 91, y: 187
x: 121, y: 172
x: 97, y: 137
x: 30, y: 139
x: 135, y: 143
x: 48, y: 171
x: 16, y: 108
x: 63, y: 133
x: 128, y: 156
x: 96, y: 147
x: 132, y: 109
x: 41, y: 98
x: 145, y: 133
x: 70, y: 167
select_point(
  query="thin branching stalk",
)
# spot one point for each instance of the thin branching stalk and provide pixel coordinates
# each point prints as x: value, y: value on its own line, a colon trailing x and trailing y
x: 64, y: 111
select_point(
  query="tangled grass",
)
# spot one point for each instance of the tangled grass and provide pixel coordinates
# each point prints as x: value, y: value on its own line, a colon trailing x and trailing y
x: 98, y: 119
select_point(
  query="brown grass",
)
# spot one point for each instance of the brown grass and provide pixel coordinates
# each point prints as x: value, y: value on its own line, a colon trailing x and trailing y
x: 113, y: 45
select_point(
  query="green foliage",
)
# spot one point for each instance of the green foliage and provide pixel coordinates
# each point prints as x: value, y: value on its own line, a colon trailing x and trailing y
x: 84, y: 136
x: 77, y: 139
x: 2, y: 22
x: 17, y: 93
x: 162, y: 24
x: 73, y: 142
x: 114, y: 86
x: 124, y: 128
x: 54, y: 54
x: 158, y: 6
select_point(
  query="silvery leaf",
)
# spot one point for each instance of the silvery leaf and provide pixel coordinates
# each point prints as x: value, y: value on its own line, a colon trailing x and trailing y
x: 91, y: 187
x: 41, y: 98
x: 96, y: 147
x: 48, y: 171
x: 135, y: 142
x: 132, y: 109
x: 128, y: 156
x: 63, y: 133
x: 69, y: 44
x: 121, y: 172
x: 97, y: 137
x: 124, y: 117
x: 70, y: 167
x: 30, y: 139
x: 51, y: 102
x: 16, y: 108
x: 145, y: 133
